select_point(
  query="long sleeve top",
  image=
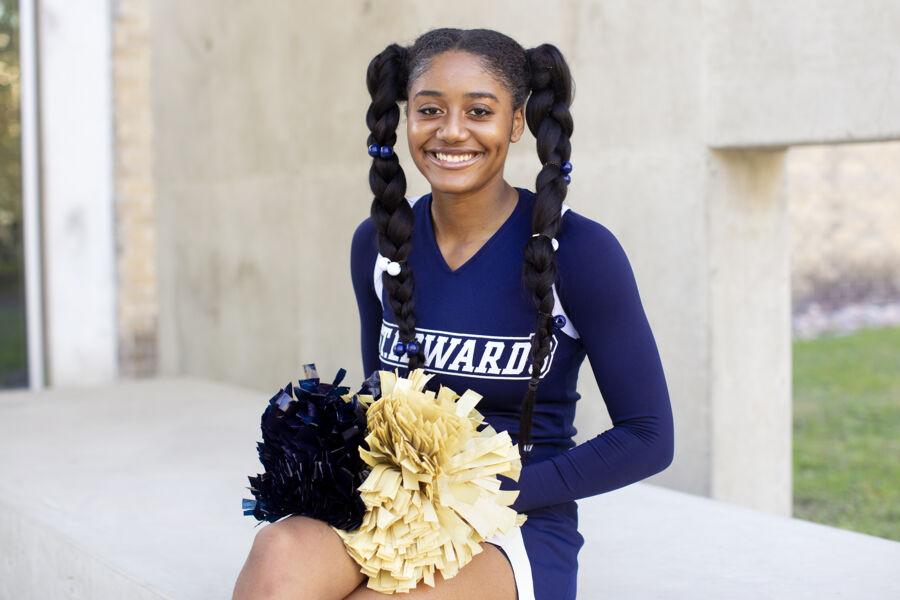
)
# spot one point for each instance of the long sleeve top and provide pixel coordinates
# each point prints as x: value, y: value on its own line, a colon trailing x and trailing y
x: 475, y: 323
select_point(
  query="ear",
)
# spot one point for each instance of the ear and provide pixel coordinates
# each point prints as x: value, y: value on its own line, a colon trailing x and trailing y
x: 518, y: 125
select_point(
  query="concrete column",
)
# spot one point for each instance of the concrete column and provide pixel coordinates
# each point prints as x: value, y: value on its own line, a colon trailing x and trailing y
x: 77, y: 167
x: 749, y: 334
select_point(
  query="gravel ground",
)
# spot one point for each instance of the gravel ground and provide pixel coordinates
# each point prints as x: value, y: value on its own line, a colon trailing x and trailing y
x: 815, y: 321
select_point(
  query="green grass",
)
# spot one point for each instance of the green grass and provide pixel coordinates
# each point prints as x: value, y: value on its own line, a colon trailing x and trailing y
x: 847, y: 431
x: 13, y: 348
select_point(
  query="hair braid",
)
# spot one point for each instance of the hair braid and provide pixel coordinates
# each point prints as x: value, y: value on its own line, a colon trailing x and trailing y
x: 541, y: 71
x: 548, y: 117
x: 386, y: 79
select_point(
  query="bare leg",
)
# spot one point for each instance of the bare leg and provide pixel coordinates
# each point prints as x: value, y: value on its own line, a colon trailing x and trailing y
x: 297, y: 558
x: 488, y: 577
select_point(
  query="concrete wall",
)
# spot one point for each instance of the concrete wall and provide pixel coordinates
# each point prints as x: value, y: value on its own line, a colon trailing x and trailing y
x: 775, y: 74
x: 801, y: 72
x: 749, y: 331
x: 261, y: 176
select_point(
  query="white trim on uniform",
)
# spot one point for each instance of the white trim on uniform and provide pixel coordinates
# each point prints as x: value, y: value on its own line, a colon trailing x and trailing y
x: 568, y: 328
x: 514, y: 546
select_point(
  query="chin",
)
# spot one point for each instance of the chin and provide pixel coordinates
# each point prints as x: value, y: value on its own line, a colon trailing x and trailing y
x: 456, y: 183
x: 450, y: 185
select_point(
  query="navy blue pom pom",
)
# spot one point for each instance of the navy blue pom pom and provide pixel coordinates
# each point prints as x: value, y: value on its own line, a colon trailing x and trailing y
x: 386, y: 151
x: 399, y: 348
x: 310, y: 452
x: 566, y: 167
x: 412, y: 347
x: 559, y: 321
x: 374, y: 150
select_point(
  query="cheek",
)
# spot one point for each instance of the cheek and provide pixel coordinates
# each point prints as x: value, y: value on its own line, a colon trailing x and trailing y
x: 496, y: 139
x: 417, y: 131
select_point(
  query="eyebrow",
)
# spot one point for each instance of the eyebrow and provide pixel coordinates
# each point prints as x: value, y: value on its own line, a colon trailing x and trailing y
x: 467, y: 94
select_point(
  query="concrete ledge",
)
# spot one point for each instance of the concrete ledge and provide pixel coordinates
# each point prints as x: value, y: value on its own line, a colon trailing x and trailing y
x: 40, y: 562
x: 145, y: 476
x: 133, y: 491
x: 648, y: 542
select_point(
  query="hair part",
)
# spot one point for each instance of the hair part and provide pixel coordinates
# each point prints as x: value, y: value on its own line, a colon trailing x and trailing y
x: 541, y: 71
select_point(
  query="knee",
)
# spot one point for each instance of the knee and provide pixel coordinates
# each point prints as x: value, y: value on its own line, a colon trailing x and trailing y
x: 294, y: 558
x: 271, y: 567
x: 276, y: 543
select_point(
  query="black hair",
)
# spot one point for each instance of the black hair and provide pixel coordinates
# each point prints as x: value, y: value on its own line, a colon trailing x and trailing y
x: 543, y: 73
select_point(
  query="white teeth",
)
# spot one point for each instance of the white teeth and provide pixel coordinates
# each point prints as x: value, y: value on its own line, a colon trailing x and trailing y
x: 454, y: 157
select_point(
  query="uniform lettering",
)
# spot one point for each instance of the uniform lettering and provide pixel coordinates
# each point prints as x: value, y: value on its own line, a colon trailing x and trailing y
x: 452, y: 353
x: 492, y: 352
x: 463, y: 361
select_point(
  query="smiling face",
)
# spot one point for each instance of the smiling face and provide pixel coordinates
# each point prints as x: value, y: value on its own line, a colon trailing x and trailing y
x: 460, y: 122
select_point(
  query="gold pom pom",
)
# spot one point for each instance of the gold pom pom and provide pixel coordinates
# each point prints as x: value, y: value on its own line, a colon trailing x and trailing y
x: 432, y: 495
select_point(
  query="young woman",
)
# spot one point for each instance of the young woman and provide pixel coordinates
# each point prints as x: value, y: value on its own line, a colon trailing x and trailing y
x: 497, y: 289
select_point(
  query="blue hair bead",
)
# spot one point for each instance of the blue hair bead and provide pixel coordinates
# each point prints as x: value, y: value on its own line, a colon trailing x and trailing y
x: 386, y: 151
x: 374, y: 149
x: 399, y: 348
x: 566, y: 167
x: 559, y: 321
x: 412, y: 347
x: 567, y: 178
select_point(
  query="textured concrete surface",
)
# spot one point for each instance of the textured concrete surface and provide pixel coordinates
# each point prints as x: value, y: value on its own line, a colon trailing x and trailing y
x: 140, y: 482
x: 648, y: 542
x: 801, y: 72
x: 133, y: 491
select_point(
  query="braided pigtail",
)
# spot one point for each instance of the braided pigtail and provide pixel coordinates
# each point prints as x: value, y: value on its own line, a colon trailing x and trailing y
x: 386, y: 79
x: 548, y: 117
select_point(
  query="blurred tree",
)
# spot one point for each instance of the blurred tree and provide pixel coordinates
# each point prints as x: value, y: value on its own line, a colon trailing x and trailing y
x: 10, y: 144
x: 13, y: 344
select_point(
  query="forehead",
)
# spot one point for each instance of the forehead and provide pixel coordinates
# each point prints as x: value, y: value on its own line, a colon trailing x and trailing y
x: 454, y: 73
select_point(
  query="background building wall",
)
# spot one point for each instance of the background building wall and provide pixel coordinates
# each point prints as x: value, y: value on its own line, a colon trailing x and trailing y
x: 842, y: 200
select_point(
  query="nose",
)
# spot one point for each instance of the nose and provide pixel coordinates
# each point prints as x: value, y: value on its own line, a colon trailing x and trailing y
x: 453, y: 129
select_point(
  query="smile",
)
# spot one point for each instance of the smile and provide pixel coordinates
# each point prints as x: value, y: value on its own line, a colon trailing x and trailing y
x: 453, y: 161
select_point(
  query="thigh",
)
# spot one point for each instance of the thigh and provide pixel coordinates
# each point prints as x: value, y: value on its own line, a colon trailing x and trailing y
x: 298, y: 557
x: 488, y: 576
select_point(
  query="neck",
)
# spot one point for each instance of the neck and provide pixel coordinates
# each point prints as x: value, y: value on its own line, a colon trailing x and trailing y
x: 473, y: 215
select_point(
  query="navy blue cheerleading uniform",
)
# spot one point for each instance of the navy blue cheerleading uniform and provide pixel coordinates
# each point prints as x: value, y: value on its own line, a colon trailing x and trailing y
x: 474, y: 325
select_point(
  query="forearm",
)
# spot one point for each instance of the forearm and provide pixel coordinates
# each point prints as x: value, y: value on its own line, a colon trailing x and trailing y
x: 620, y: 456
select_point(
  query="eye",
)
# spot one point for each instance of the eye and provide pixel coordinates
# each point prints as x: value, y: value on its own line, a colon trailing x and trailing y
x: 485, y: 112
x: 427, y: 108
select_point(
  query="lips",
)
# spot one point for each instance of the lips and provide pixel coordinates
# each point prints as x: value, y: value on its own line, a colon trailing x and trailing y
x: 453, y: 160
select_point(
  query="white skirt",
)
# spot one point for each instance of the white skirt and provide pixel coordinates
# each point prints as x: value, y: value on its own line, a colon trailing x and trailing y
x: 514, y: 546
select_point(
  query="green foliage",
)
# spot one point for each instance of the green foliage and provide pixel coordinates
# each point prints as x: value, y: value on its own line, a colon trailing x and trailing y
x: 10, y: 142
x: 13, y: 357
x: 846, y: 424
x: 12, y: 335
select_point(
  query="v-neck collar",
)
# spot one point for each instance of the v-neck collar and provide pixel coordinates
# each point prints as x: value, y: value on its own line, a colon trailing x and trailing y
x: 436, y: 250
